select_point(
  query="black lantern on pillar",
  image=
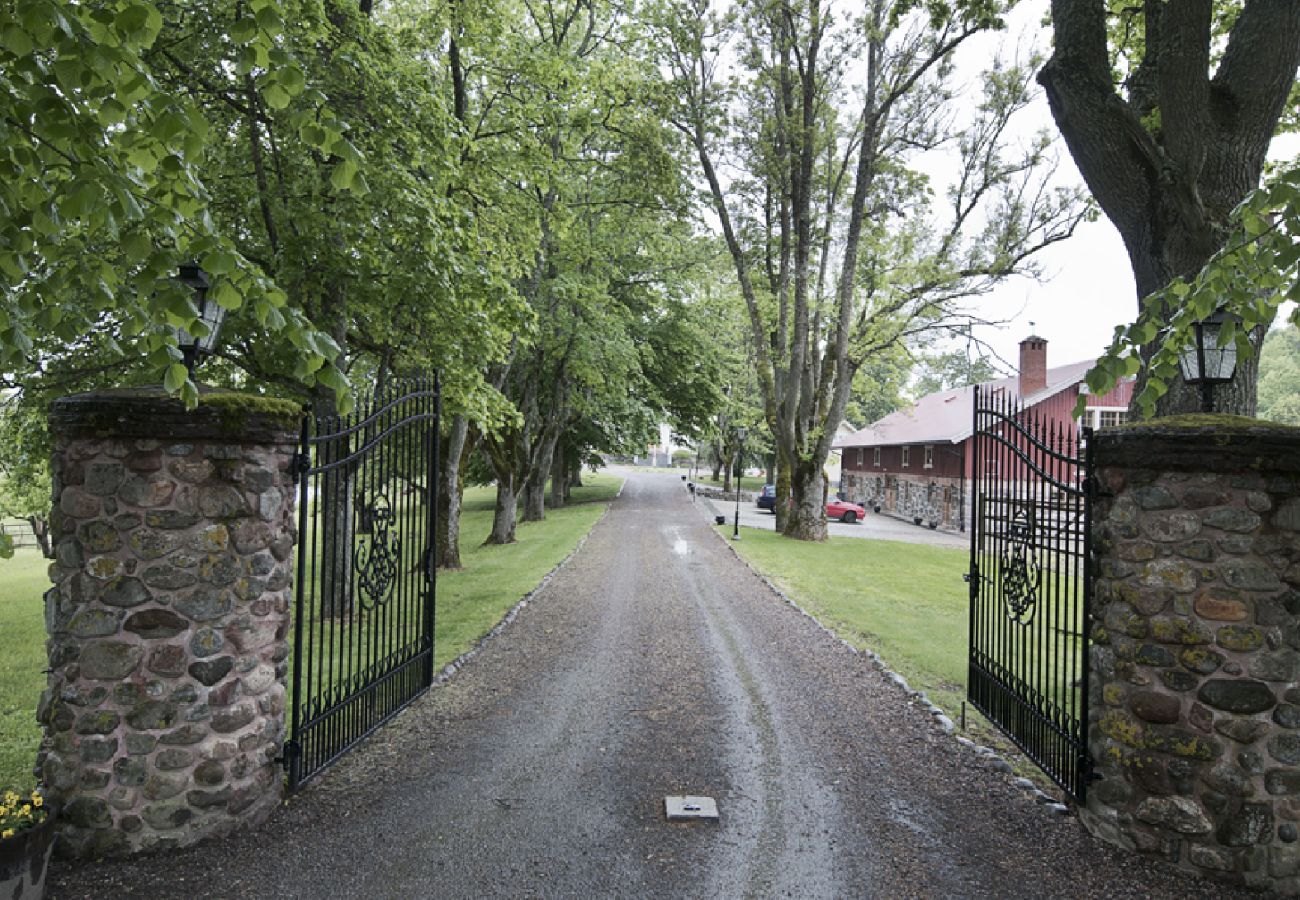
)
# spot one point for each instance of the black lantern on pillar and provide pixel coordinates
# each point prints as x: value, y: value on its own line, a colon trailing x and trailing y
x: 211, y: 314
x: 1208, y: 361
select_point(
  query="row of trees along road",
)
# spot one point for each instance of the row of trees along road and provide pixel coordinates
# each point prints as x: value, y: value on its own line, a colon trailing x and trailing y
x: 523, y: 193
x: 374, y: 189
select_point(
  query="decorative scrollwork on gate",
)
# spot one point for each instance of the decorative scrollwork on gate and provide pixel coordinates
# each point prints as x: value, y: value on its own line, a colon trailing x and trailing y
x: 378, y: 553
x: 1020, y: 574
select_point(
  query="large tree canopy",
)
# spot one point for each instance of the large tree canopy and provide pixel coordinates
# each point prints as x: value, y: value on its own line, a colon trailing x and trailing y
x: 841, y: 247
x: 104, y: 191
x: 1168, y: 109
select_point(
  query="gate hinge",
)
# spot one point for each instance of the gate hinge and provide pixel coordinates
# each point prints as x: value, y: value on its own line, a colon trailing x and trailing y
x: 299, y: 465
x: 290, y: 752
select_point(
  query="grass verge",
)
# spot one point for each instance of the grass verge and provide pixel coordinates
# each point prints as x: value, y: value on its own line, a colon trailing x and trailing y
x: 22, y: 664
x: 470, y: 602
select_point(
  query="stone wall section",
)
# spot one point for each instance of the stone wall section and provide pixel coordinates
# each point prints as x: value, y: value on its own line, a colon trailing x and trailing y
x: 168, y: 645
x: 1195, y: 700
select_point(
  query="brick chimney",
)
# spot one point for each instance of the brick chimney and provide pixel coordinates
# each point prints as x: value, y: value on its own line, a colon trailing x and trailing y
x: 1033, y: 364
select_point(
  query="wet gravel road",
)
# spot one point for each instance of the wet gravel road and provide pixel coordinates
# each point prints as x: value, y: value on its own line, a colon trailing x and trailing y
x: 654, y: 663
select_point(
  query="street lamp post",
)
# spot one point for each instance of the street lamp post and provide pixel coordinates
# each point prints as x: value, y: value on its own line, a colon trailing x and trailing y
x: 1206, y: 362
x: 740, y: 469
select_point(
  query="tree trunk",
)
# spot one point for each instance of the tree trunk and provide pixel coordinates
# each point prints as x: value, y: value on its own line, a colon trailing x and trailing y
x: 506, y: 511
x: 41, y: 529
x: 807, y: 516
x: 535, y: 499
x: 451, y: 490
x: 334, y: 514
x: 575, y: 479
x: 535, y: 485
x: 559, y: 478
x: 1170, y: 189
x: 781, y: 505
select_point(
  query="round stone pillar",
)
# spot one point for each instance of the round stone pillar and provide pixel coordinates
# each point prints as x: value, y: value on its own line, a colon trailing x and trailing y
x: 173, y: 532
x: 1195, y: 705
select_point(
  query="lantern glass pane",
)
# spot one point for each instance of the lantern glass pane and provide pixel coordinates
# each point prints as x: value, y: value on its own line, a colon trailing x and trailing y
x: 213, y: 314
x: 1219, y: 361
x: 1189, y: 360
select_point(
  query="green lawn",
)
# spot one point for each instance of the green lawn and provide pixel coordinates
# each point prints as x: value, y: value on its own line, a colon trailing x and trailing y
x: 22, y: 664
x: 470, y: 602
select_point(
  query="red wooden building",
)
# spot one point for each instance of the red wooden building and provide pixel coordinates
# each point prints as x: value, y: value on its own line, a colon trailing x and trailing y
x: 916, y: 463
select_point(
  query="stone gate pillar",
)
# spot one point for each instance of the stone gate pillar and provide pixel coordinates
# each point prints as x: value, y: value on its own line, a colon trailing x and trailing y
x: 1195, y: 705
x: 168, y: 619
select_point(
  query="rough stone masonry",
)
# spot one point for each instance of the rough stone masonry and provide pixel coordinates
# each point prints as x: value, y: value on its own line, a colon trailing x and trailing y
x: 1195, y: 700
x: 168, y: 617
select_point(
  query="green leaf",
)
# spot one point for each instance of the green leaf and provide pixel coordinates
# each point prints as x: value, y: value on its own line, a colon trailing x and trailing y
x: 244, y: 31
x: 343, y: 174
x: 15, y: 40
x: 226, y: 294
x: 276, y: 96
x: 175, y: 376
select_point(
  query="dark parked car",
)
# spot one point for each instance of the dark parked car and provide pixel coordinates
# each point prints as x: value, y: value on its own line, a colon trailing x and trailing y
x: 767, y: 497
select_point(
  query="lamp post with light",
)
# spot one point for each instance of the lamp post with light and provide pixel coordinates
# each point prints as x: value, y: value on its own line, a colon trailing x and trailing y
x: 741, y: 433
x: 1206, y: 362
x: 211, y: 313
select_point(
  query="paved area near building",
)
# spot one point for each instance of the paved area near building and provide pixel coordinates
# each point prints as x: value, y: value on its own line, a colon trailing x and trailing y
x: 655, y: 663
x: 876, y: 526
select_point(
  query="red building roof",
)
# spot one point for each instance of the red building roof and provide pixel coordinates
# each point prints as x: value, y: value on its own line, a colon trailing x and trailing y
x: 946, y: 416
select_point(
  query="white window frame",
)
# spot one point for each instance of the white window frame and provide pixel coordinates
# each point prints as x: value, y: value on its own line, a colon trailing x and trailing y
x: 929, y: 456
x: 1093, y: 413
x: 907, y: 455
x: 876, y: 461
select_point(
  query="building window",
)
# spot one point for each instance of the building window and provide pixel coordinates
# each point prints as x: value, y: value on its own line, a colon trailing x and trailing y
x: 859, y: 457
x: 906, y: 454
x: 1109, y: 418
x: 929, y: 456
x: 876, y: 461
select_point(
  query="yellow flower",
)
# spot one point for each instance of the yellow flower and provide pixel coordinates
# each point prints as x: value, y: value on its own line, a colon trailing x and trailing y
x: 7, y: 833
x: 26, y: 810
x: 38, y: 801
x: 11, y: 799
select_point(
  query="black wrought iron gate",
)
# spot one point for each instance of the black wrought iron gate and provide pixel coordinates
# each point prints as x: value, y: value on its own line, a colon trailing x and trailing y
x: 364, y: 600
x: 1031, y: 583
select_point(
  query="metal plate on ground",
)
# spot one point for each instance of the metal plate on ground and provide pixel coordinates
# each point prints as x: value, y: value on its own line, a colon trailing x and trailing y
x: 686, y: 808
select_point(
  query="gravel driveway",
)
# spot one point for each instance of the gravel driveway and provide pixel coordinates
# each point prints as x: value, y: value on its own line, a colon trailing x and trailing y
x: 654, y: 663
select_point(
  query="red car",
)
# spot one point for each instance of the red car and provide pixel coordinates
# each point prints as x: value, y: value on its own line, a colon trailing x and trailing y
x: 844, y: 511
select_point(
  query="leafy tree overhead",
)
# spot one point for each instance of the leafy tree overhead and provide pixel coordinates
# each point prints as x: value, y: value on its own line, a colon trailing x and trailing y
x: 1168, y: 110
x: 838, y: 245
x: 104, y: 188
x: 1279, y: 376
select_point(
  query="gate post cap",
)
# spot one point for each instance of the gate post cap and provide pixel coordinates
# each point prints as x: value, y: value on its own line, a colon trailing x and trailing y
x: 151, y: 412
x: 1208, y: 442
